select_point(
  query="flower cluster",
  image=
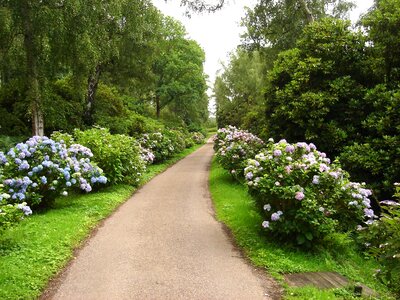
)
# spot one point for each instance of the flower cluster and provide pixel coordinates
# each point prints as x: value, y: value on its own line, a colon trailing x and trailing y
x: 234, y: 146
x: 10, y: 214
x: 41, y: 169
x: 147, y: 155
x: 161, y: 146
x: 304, y: 195
x: 197, y: 137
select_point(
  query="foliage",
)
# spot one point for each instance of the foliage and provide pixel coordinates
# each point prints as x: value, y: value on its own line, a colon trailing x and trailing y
x: 382, y: 239
x: 274, y: 26
x: 303, y: 195
x: 382, y: 24
x: 41, y: 169
x: 10, y: 214
x: 6, y: 142
x: 181, y: 83
x: 233, y: 147
x: 239, y: 91
x: 159, y: 143
x: 318, y: 88
x: 197, y: 138
x: 118, y: 155
x: 82, y: 63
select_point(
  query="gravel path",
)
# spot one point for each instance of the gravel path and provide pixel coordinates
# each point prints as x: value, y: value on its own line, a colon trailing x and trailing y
x: 163, y: 243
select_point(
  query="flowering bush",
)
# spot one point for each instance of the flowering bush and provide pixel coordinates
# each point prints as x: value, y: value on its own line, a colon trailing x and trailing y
x: 233, y: 147
x: 41, y: 169
x: 197, y: 137
x: 161, y: 145
x: 177, y: 139
x: 382, y: 239
x: 303, y: 195
x: 147, y: 155
x: 11, y: 214
x: 118, y: 155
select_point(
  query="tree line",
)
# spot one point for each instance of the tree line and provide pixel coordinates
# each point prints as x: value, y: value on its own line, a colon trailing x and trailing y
x: 304, y: 73
x: 73, y: 64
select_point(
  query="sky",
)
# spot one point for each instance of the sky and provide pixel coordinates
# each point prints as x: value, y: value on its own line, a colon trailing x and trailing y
x: 219, y: 33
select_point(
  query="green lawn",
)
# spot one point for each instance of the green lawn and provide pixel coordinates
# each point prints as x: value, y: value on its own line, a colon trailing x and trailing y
x: 35, y: 250
x: 235, y: 207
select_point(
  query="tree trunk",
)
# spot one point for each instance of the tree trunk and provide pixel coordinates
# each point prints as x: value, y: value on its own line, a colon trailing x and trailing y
x: 34, y: 97
x: 93, y: 82
x: 307, y: 11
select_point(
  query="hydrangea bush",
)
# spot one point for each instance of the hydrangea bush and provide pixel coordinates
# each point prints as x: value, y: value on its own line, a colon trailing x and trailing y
x: 234, y: 146
x: 303, y: 195
x: 177, y: 138
x: 160, y: 144
x: 41, y: 169
x: 197, y: 138
x: 118, y: 155
x: 10, y: 214
x: 382, y: 241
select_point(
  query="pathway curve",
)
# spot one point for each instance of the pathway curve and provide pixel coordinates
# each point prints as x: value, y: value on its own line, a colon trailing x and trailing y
x: 163, y: 243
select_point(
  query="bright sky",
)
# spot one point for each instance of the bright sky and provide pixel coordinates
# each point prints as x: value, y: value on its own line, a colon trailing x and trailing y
x: 219, y: 33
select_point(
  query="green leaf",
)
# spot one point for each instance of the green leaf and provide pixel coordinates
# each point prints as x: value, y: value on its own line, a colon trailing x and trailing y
x: 300, y: 239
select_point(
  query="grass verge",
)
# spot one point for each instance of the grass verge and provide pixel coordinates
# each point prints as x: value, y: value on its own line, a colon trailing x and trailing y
x: 236, y: 208
x: 35, y: 250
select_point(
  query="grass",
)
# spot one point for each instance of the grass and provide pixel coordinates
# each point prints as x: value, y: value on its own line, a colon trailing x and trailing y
x: 236, y: 208
x: 35, y: 250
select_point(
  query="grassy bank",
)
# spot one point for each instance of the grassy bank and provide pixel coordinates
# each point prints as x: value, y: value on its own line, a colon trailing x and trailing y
x: 235, y: 207
x: 38, y: 248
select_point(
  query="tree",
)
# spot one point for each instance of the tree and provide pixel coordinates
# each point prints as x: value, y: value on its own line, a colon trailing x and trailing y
x: 382, y: 23
x: 275, y: 25
x: 316, y: 89
x: 181, y: 81
x: 239, y: 91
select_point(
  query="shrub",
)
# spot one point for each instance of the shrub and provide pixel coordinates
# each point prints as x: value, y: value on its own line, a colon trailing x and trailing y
x: 303, y: 195
x: 382, y: 239
x: 234, y: 147
x: 147, y: 155
x: 41, y: 169
x: 177, y: 139
x: 159, y: 143
x: 10, y: 214
x: 6, y: 142
x: 197, y: 138
x: 118, y: 155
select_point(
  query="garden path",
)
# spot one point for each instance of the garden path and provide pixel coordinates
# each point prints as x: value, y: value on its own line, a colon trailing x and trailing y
x: 164, y: 243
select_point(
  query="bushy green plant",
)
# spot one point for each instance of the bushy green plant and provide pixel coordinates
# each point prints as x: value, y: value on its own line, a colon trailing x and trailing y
x: 177, y: 139
x: 234, y: 146
x: 303, y: 195
x: 42, y: 169
x: 163, y: 144
x: 376, y: 160
x: 382, y: 240
x: 10, y: 214
x: 118, y: 155
x: 197, y: 137
x: 6, y: 142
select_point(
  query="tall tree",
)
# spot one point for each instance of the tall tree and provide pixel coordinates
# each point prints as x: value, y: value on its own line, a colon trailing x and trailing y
x: 181, y: 83
x: 239, y: 90
x: 382, y: 23
x: 275, y: 25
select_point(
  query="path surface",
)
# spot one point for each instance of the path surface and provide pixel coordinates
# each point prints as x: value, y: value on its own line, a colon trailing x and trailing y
x: 163, y: 243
